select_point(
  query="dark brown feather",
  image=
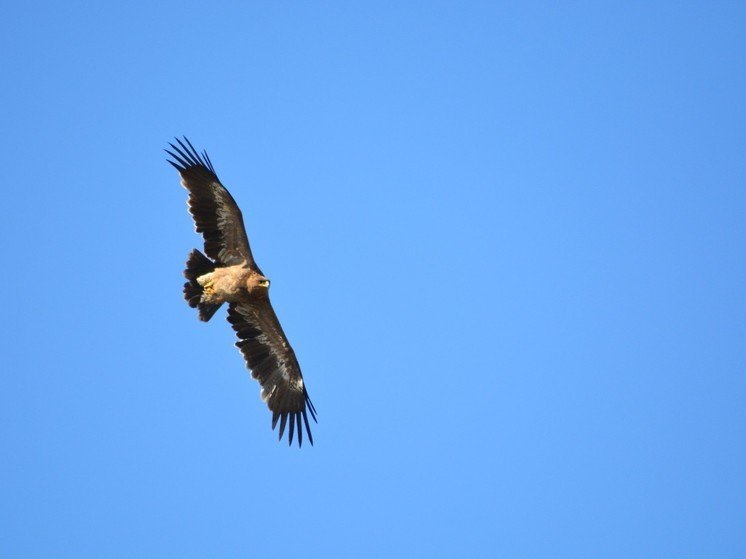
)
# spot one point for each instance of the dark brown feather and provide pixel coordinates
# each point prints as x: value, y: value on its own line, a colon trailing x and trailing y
x: 215, y: 212
x: 273, y: 363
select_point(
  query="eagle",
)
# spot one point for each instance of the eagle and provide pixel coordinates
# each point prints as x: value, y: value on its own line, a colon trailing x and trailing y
x: 227, y: 273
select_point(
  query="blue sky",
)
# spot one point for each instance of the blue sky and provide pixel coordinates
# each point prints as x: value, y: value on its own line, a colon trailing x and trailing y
x: 506, y: 241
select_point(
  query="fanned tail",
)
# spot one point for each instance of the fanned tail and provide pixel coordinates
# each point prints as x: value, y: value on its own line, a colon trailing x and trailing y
x: 198, y: 265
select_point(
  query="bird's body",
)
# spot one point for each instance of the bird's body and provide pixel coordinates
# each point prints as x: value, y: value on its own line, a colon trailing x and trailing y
x: 229, y: 284
x: 228, y: 274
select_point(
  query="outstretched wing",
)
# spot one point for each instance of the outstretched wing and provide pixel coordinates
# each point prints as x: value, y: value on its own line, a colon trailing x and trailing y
x: 272, y: 362
x: 215, y: 212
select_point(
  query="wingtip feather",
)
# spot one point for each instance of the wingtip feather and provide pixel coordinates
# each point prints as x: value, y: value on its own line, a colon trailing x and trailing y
x: 308, y: 427
x: 187, y: 155
x: 283, y: 421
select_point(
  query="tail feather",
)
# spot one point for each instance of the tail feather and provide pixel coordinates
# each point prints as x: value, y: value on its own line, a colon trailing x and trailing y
x: 198, y: 265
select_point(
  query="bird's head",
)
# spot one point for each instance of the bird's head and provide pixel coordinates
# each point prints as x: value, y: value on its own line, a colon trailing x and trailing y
x: 257, y: 283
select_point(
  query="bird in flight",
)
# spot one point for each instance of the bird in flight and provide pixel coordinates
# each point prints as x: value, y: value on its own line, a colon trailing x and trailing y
x: 228, y: 274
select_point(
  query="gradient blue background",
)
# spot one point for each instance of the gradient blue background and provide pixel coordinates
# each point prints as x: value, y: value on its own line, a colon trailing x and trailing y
x: 506, y: 241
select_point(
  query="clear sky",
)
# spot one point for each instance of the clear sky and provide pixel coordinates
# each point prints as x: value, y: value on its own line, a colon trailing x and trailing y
x: 506, y: 241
